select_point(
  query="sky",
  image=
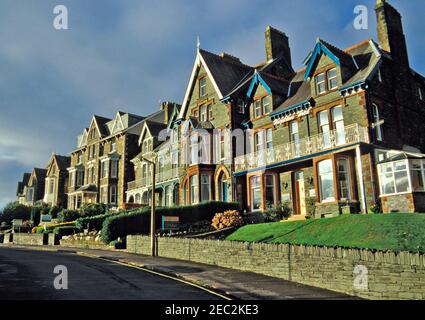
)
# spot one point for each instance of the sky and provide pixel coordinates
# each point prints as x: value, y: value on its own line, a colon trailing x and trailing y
x: 130, y: 55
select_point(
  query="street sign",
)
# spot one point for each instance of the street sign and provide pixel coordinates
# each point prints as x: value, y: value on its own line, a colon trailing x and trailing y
x: 17, y: 222
x: 46, y: 218
x: 170, y: 222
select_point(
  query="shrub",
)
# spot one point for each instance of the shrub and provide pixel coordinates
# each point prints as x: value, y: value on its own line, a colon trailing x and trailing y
x: 66, y: 231
x: 376, y: 208
x: 230, y: 218
x: 138, y: 221
x: 68, y: 215
x: 92, y: 223
x: 4, y: 226
x: 54, y: 211
x: 276, y: 213
x: 93, y: 209
x: 15, y: 210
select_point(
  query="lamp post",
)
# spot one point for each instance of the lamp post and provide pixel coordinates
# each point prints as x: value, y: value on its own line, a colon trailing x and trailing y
x: 153, y: 229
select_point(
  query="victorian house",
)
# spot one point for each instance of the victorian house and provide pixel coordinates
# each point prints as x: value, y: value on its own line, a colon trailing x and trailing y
x: 159, y: 144
x: 343, y: 133
x: 33, y: 189
x: 22, y: 187
x: 56, y: 182
x: 100, y: 165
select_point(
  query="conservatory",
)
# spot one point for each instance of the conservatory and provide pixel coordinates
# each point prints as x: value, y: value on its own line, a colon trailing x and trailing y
x: 401, y: 180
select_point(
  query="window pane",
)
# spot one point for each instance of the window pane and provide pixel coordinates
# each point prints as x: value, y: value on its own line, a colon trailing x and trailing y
x: 266, y: 105
x: 255, y: 193
x: 344, y: 179
x: 205, y: 187
x: 270, y: 189
x: 400, y: 165
x: 326, y: 182
x: 417, y: 181
x: 401, y: 181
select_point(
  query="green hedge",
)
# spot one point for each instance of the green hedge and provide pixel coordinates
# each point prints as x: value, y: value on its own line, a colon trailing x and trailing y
x: 138, y: 221
x: 66, y: 231
x: 68, y: 215
x: 92, y: 223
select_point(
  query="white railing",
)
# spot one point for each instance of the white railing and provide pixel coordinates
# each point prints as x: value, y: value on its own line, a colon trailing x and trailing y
x: 161, y: 176
x: 324, y: 141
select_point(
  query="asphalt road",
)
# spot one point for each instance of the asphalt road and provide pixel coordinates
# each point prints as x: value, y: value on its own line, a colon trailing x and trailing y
x: 29, y: 275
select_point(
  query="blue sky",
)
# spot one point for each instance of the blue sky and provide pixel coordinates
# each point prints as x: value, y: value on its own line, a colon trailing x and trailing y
x: 131, y: 54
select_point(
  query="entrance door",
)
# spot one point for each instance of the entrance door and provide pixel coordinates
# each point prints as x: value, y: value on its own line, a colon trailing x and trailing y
x: 301, y: 208
x: 224, y: 188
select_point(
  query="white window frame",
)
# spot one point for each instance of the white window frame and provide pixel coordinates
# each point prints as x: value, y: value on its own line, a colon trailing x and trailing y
x: 319, y: 175
x: 194, y: 189
x: 379, y: 134
x: 267, y: 105
x: 114, y: 168
x: 203, y: 87
x: 330, y: 87
x: 205, y: 184
x: 113, y: 194
x: 319, y: 83
x: 258, y: 107
x: 203, y: 113
x: 346, y: 172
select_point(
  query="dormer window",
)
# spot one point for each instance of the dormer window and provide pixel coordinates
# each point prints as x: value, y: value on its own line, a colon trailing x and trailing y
x: 257, y: 108
x: 267, y: 108
x: 320, y: 83
x: 332, y: 79
x: 203, y: 87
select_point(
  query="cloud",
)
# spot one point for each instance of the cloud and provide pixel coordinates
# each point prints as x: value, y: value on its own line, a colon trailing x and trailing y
x: 130, y: 54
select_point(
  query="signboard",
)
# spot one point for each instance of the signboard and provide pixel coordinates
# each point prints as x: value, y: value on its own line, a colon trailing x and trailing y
x: 170, y: 222
x: 46, y: 218
x: 17, y: 222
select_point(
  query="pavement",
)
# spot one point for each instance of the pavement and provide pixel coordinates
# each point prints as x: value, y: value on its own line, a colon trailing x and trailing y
x: 221, y: 283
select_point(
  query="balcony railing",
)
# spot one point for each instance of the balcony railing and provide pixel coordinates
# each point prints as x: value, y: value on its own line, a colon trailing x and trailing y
x: 324, y: 141
x: 161, y: 176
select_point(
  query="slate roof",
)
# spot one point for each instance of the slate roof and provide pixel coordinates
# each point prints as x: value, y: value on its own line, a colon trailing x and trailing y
x: 40, y: 173
x: 227, y: 72
x: 63, y: 162
x: 367, y: 56
x: 102, y: 123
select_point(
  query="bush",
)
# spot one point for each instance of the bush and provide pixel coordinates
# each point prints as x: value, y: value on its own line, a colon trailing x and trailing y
x: 276, y: 213
x: 138, y: 221
x: 4, y: 226
x: 230, y: 218
x: 68, y: 215
x: 66, y: 231
x: 92, y: 223
x: 93, y: 209
x: 54, y: 211
x: 15, y: 210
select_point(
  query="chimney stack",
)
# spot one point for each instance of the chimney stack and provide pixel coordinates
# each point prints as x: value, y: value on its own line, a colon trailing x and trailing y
x: 277, y: 45
x: 390, y: 32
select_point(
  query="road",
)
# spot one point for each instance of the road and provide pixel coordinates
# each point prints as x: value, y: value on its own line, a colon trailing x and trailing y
x: 29, y: 275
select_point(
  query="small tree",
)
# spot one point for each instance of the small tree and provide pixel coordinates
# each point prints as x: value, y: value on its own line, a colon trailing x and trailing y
x: 68, y: 215
x: 93, y: 209
x: 15, y: 210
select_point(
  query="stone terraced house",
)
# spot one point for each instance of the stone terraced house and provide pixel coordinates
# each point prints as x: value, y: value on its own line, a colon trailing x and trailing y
x: 33, y: 189
x: 341, y: 134
x: 100, y: 166
x: 21, y: 191
x: 56, y: 182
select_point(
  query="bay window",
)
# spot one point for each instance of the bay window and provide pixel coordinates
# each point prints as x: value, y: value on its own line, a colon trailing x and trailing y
x: 402, y: 176
x: 344, y: 179
x: 255, y: 185
x: 194, y: 197
x: 205, y: 188
x: 270, y: 194
x: 326, y: 180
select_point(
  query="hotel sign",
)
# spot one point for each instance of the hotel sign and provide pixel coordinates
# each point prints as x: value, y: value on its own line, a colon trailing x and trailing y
x: 292, y: 116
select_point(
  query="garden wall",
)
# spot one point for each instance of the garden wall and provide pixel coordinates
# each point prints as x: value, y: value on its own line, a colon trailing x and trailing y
x: 30, y: 239
x: 389, y: 275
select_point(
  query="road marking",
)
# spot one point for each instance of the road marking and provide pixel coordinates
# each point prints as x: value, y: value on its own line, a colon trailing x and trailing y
x: 159, y: 274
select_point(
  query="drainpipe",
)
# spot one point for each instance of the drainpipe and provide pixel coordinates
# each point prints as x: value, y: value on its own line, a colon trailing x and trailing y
x: 361, y: 181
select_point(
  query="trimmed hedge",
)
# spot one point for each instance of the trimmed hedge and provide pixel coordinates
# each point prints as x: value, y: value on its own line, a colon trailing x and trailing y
x: 138, y: 221
x: 68, y: 215
x: 92, y: 223
x: 66, y: 231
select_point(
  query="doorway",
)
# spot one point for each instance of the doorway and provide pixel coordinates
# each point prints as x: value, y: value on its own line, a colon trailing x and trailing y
x: 300, y: 201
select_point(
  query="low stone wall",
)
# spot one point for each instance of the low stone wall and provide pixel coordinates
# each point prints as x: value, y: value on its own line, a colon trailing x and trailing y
x: 8, y: 238
x: 30, y: 239
x: 363, y: 273
x: 84, y: 244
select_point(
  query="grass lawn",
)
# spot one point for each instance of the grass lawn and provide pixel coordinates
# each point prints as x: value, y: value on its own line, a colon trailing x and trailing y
x: 396, y: 232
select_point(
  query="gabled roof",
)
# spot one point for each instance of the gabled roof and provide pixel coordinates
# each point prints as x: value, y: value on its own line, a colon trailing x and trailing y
x: 339, y: 56
x: 26, y: 178
x: 153, y: 128
x: 101, y: 124
x: 62, y: 162
x: 367, y: 57
x: 224, y: 71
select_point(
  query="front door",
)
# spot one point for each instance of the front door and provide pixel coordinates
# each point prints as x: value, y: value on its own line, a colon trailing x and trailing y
x: 301, y: 208
x: 224, y: 191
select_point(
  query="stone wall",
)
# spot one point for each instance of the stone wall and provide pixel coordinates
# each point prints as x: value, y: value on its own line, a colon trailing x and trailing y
x: 30, y: 239
x: 390, y: 275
